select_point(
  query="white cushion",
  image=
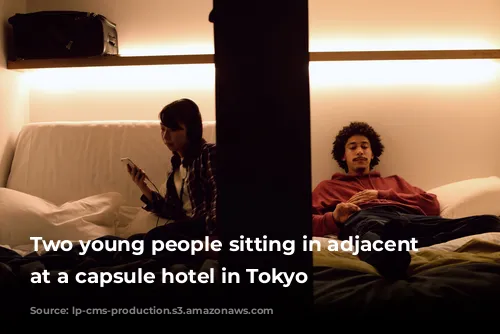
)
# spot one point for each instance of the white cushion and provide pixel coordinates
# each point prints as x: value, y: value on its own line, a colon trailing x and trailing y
x: 24, y: 216
x: 478, y: 196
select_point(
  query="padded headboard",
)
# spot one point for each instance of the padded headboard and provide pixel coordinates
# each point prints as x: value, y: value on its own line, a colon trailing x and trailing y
x: 65, y: 161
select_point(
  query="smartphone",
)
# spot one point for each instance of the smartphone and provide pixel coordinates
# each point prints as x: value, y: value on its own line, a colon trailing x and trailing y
x: 129, y: 162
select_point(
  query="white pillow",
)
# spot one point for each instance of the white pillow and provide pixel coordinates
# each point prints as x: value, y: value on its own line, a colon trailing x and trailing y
x: 24, y: 216
x: 479, y: 196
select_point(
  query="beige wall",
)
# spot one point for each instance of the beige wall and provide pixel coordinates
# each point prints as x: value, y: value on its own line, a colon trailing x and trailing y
x: 433, y: 133
x: 13, y: 93
x: 437, y: 118
x: 144, y: 28
x: 409, y: 24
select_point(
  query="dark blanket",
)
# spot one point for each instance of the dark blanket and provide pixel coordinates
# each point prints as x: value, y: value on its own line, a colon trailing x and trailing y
x: 450, y: 282
x: 17, y: 287
x: 471, y: 287
x: 464, y: 281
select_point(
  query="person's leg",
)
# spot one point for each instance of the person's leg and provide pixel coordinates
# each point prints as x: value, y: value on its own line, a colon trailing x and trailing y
x: 176, y: 231
x: 379, y: 225
x: 383, y: 224
x: 431, y: 230
x: 181, y: 230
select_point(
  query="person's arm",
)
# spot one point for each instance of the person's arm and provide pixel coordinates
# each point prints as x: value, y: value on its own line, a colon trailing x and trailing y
x: 324, y: 224
x: 208, y: 216
x: 151, y: 200
x: 155, y: 203
x: 323, y: 204
x: 413, y: 196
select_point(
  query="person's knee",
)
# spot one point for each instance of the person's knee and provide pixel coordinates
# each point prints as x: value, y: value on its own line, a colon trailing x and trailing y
x: 365, y: 222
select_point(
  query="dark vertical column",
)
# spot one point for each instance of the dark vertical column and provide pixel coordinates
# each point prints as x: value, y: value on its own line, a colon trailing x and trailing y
x: 263, y: 144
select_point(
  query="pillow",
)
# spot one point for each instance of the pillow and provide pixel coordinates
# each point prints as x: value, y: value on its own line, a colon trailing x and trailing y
x: 453, y: 245
x: 24, y: 216
x: 479, y: 196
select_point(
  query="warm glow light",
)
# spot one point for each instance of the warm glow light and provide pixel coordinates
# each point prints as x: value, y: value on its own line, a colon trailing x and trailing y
x: 322, y: 74
x: 123, y: 78
x: 329, y: 44
x: 403, y: 72
x: 324, y: 44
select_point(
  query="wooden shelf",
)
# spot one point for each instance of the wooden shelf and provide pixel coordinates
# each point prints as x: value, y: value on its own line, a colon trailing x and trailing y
x: 404, y: 55
x: 110, y: 61
x: 209, y: 58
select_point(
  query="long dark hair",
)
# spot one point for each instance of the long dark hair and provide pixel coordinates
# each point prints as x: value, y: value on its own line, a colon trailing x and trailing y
x: 184, y: 112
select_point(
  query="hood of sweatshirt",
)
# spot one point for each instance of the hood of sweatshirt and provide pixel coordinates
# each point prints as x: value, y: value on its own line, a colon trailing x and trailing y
x: 348, y: 177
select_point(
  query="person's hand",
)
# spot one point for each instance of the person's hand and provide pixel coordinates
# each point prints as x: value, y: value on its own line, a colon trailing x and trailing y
x: 343, y: 211
x: 363, y: 196
x: 138, y: 176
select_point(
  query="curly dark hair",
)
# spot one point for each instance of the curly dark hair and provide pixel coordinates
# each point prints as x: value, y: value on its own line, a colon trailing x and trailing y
x: 353, y: 129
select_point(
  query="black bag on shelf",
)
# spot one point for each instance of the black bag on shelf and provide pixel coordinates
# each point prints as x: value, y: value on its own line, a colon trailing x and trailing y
x: 62, y: 34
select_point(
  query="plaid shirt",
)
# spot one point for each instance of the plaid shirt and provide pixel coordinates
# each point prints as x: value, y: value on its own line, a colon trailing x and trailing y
x: 201, y: 186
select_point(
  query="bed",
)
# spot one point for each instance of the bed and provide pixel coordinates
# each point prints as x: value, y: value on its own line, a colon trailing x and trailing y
x: 74, y: 168
x: 461, y: 276
x: 67, y: 183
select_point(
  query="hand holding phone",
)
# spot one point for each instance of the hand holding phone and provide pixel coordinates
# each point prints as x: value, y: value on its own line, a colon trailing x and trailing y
x: 138, y: 175
x: 129, y: 163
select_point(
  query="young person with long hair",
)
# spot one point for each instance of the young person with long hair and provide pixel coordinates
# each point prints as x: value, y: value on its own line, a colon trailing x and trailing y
x: 189, y: 203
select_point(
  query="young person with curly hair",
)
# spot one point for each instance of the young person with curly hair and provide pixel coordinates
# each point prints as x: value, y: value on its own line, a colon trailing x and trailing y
x: 362, y: 203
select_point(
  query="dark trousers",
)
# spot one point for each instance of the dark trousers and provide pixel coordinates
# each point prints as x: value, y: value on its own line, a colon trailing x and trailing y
x: 391, y: 223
